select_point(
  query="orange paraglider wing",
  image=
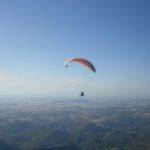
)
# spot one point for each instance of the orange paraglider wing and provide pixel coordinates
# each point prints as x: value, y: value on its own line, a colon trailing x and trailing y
x: 82, y: 61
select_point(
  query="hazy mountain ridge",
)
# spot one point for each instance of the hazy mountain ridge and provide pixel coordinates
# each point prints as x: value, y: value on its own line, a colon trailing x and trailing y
x: 76, y: 125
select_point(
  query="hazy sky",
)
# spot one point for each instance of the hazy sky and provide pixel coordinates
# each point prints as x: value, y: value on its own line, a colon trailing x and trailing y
x: 36, y: 36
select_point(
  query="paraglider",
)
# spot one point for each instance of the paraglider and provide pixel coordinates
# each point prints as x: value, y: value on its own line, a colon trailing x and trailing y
x: 81, y: 94
x: 84, y: 62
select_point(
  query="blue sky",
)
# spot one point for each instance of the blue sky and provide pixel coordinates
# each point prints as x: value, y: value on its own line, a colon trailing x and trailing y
x: 36, y: 36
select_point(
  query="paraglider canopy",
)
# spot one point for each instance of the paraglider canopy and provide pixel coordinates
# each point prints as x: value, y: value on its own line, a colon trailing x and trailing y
x: 86, y: 63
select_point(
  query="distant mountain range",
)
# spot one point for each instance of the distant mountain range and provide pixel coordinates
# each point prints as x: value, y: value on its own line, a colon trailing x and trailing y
x: 77, y: 125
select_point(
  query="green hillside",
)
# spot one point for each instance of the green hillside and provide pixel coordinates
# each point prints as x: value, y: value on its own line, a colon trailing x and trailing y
x: 76, y: 125
x: 5, y: 146
x: 45, y: 138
